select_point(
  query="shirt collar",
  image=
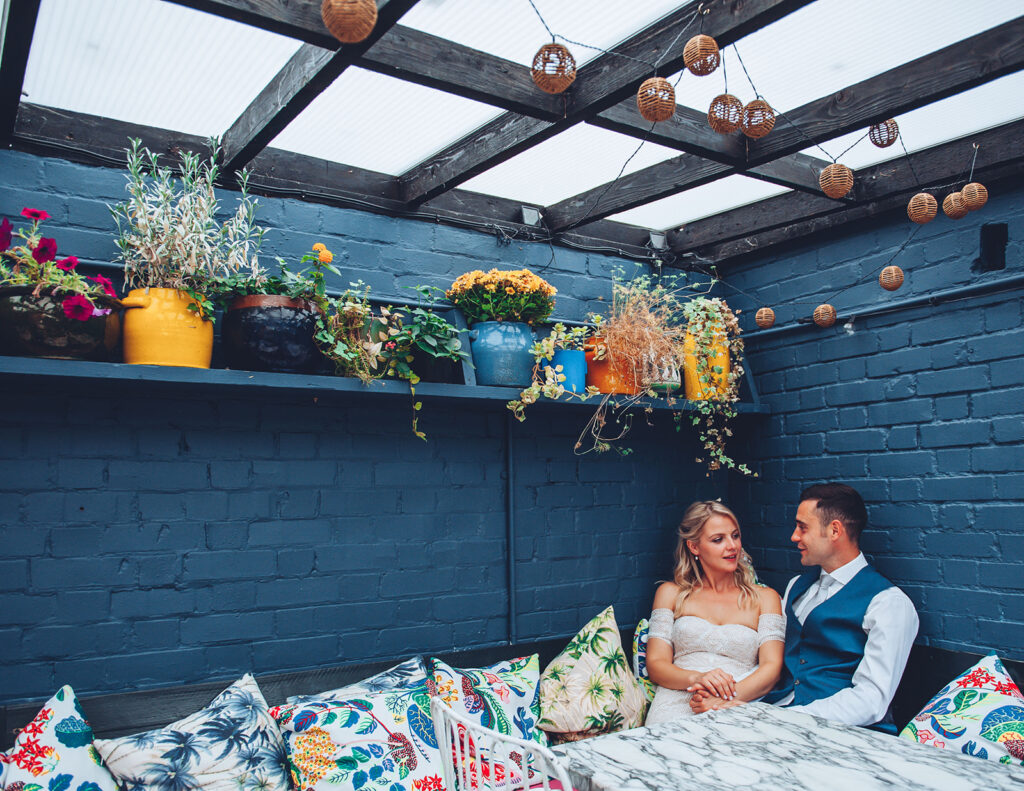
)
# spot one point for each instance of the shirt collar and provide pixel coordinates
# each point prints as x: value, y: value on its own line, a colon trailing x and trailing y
x: 845, y: 573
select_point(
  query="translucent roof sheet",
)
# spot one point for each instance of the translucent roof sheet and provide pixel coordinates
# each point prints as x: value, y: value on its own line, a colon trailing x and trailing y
x: 572, y: 162
x: 150, y: 63
x: 381, y: 123
x: 512, y: 30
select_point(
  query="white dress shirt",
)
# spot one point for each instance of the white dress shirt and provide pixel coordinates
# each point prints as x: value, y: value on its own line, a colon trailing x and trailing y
x: 890, y: 623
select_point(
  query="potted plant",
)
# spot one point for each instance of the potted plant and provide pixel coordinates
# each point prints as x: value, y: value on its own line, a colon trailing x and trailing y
x: 500, y: 307
x: 173, y: 244
x: 269, y: 320
x: 47, y: 307
x: 560, y: 369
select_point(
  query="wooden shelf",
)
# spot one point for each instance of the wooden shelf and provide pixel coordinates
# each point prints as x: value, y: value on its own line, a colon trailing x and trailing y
x: 28, y: 369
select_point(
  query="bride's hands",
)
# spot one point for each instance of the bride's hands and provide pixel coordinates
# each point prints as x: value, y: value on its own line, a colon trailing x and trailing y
x: 715, y: 682
x: 701, y: 703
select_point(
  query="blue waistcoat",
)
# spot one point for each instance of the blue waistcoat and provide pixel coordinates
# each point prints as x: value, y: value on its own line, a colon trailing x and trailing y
x: 822, y: 654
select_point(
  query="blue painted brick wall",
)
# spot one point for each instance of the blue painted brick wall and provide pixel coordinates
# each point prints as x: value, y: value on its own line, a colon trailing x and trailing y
x: 922, y: 410
x: 151, y: 538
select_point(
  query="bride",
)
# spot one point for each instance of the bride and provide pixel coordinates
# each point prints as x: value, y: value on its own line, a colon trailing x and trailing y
x: 714, y: 629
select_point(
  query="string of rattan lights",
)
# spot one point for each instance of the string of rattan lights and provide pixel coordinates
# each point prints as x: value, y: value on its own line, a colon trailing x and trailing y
x: 554, y: 68
x: 349, y: 21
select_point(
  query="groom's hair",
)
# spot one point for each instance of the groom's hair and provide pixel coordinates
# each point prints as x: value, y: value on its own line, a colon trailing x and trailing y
x: 839, y: 501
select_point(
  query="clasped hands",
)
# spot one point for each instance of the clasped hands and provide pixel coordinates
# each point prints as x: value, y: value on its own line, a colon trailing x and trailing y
x: 712, y: 691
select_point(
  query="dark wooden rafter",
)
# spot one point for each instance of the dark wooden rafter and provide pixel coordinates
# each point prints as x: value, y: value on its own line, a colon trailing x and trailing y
x: 884, y: 187
x: 599, y: 86
x: 305, y: 76
x: 951, y: 70
x: 19, y: 25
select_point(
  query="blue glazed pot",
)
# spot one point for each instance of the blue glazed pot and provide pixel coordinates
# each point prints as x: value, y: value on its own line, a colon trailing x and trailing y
x: 501, y: 353
x: 574, y: 367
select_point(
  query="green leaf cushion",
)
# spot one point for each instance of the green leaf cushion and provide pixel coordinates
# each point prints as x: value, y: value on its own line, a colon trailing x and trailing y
x: 231, y: 745
x: 379, y: 740
x: 643, y: 628
x: 979, y: 713
x: 503, y: 697
x: 589, y: 688
x: 55, y: 751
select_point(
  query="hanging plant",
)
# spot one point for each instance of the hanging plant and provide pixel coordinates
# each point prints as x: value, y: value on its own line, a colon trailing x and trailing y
x: 549, y: 378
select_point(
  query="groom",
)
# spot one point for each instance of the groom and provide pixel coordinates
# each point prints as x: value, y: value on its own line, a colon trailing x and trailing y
x: 848, y: 629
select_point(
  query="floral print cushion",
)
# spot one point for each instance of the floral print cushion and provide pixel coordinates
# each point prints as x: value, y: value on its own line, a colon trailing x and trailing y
x: 231, y: 745
x: 55, y: 752
x: 379, y: 740
x: 589, y: 689
x: 640, y: 659
x: 503, y: 697
x: 405, y: 674
x: 979, y: 713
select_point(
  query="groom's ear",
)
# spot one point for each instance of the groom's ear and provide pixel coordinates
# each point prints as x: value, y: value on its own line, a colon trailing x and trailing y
x: 836, y: 530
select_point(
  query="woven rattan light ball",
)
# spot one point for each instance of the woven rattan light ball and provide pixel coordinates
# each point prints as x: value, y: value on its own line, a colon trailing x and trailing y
x: 836, y: 180
x: 954, y: 206
x: 765, y: 318
x: 349, y: 21
x: 725, y: 114
x: 975, y: 196
x: 758, y: 118
x: 554, y: 68
x: 825, y: 315
x: 656, y: 99
x: 922, y: 208
x: 701, y: 55
x: 884, y: 134
x: 891, y: 278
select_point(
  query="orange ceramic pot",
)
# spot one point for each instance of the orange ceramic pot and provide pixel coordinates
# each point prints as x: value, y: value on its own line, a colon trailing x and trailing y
x: 159, y: 329
x: 609, y: 377
x: 719, y: 384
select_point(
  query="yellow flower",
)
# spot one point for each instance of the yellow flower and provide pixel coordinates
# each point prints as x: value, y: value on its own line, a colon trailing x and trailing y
x: 490, y: 287
x: 510, y: 290
x: 318, y: 247
x: 325, y: 256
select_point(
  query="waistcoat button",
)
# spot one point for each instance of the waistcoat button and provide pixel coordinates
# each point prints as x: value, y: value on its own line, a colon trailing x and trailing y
x: 797, y: 681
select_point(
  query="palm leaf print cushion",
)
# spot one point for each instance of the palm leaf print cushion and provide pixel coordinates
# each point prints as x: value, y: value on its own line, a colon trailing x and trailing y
x: 589, y: 688
x: 55, y: 752
x: 231, y: 745
x: 979, y: 713
x: 404, y: 674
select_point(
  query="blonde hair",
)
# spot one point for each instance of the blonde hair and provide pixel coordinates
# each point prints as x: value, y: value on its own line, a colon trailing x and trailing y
x: 689, y: 575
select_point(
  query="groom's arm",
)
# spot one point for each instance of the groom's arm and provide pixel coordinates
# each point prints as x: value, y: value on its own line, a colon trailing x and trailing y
x: 891, y: 625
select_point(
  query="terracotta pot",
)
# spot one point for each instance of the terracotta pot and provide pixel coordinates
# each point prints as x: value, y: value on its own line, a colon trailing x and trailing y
x: 159, y: 329
x: 719, y: 385
x: 606, y: 376
x: 270, y: 332
x: 37, y: 327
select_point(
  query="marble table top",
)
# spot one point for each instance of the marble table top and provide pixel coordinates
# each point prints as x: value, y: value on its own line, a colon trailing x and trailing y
x: 758, y: 746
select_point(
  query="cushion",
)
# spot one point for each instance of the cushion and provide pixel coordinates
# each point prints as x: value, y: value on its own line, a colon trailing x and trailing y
x: 589, y: 688
x: 231, y: 745
x: 55, y: 752
x: 404, y: 674
x: 979, y: 713
x: 503, y: 697
x: 640, y: 659
x: 380, y: 740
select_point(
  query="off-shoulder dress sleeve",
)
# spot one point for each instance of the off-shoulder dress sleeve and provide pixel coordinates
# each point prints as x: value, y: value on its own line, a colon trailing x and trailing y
x: 770, y: 626
x: 661, y: 624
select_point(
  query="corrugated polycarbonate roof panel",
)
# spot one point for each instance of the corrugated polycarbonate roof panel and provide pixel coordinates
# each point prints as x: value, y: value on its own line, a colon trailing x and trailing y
x: 512, y: 30
x: 150, y: 63
x: 380, y: 123
x: 831, y: 44
x: 572, y: 162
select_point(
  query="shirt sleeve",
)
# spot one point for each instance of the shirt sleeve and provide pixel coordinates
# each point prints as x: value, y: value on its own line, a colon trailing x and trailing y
x: 771, y: 626
x: 661, y: 624
x: 891, y: 625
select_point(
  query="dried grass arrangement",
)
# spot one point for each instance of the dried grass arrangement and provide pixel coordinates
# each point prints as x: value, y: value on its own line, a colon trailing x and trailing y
x: 554, y: 68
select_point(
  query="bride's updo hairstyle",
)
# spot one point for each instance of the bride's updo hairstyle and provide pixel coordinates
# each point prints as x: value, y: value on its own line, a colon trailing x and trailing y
x: 689, y: 575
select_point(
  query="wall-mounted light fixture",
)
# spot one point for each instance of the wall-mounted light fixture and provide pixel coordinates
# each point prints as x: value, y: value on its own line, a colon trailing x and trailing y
x: 531, y: 215
x: 658, y: 240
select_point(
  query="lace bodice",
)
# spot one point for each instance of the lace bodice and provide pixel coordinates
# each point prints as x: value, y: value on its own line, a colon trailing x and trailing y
x: 700, y: 645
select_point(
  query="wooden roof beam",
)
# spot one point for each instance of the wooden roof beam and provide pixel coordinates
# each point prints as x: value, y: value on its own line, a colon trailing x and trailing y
x: 19, y: 26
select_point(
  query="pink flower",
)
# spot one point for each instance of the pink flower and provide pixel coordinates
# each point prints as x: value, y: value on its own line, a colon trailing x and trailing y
x: 45, y: 251
x: 68, y: 264
x: 101, y: 311
x: 108, y: 286
x: 36, y: 215
x: 77, y: 307
x: 5, y: 235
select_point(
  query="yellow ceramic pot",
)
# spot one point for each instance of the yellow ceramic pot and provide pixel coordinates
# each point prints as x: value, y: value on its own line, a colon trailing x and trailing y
x: 695, y: 389
x: 159, y: 329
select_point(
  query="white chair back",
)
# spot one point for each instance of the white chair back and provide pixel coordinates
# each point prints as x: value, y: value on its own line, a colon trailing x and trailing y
x: 475, y: 758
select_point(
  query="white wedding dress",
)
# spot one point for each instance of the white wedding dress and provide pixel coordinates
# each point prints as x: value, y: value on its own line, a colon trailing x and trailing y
x: 701, y: 645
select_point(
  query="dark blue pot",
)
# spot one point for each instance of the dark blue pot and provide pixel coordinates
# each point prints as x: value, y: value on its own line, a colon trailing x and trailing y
x: 574, y: 366
x: 501, y: 353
